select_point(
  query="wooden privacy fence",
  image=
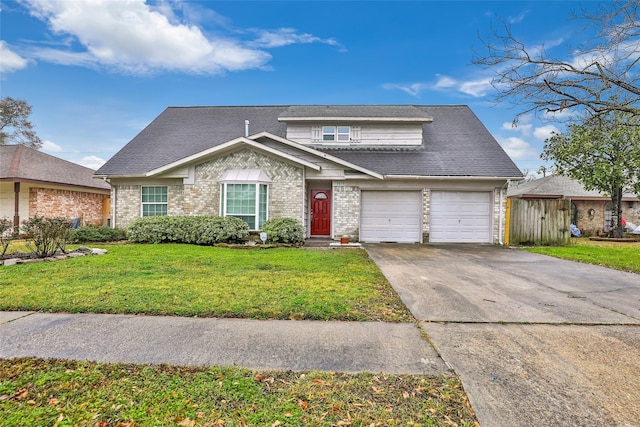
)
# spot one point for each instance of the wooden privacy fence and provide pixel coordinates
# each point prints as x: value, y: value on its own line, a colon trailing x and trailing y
x: 539, y: 221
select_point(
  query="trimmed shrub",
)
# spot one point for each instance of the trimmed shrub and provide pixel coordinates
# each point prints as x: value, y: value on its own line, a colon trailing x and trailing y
x: 200, y: 230
x: 284, y: 230
x: 91, y: 234
x: 46, y: 235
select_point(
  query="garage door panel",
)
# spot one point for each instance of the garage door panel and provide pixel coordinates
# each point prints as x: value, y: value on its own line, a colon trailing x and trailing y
x: 391, y: 216
x: 460, y: 217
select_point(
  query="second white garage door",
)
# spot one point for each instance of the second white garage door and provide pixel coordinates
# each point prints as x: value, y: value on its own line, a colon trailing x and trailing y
x: 391, y: 216
x: 460, y: 217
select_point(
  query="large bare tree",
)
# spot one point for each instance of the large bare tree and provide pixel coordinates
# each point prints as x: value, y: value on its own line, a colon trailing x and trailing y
x: 594, y: 79
x: 15, y: 127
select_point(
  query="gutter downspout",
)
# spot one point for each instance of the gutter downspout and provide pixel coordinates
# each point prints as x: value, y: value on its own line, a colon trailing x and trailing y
x: 500, y: 241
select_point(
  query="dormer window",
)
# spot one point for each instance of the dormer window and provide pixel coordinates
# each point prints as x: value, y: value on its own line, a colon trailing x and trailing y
x: 336, y: 133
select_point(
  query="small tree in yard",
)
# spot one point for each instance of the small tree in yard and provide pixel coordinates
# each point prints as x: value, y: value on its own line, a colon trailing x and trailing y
x: 6, y: 234
x: 603, y: 153
x: 46, y: 235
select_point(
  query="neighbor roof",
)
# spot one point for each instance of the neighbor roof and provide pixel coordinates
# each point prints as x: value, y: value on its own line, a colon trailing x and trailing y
x: 20, y: 163
x: 556, y: 186
x: 455, y: 143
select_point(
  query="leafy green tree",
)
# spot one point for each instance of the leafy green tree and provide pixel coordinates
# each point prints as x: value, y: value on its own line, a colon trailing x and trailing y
x: 603, y: 153
x: 15, y: 127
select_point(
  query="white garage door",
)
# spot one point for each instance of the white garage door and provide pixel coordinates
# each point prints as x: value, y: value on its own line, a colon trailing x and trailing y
x: 460, y: 217
x: 391, y: 216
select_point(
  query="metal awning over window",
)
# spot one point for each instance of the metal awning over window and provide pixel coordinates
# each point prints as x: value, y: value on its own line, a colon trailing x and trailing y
x: 245, y: 175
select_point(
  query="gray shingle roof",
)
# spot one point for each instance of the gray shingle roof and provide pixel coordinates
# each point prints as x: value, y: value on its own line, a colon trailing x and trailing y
x: 377, y: 111
x: 556, y: 185
x: 456, y: 143
x: 20, y: 163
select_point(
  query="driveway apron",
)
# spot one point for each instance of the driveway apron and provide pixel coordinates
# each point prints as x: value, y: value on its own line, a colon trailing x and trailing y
x: 536, y: 341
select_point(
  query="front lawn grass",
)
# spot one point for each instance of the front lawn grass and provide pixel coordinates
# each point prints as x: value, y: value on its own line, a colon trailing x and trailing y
x: 188, y: 280
x: 38, y: 392
x: 616, y: 255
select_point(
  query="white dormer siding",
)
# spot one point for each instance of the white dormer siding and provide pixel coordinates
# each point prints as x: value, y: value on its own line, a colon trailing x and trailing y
x: 360, y: 134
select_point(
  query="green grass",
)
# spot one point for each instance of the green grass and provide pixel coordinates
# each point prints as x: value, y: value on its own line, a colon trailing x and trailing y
x: 38, y: 392
x: 619, y: 256
x: 188, y: 280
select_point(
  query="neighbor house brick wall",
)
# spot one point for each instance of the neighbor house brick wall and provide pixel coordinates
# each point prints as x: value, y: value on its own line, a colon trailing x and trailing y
x: 346, y: 210
x: 53, y: 203
x: 590, y: 224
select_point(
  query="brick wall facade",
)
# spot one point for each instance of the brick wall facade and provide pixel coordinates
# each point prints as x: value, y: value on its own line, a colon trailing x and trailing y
x: 53, y: 203
x: 286, y: 189
x: 591, y: 215
x: 346, y: 210
x: 426, y: 214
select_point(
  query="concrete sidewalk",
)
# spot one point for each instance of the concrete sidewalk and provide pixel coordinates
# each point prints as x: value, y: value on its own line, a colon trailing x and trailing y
x: 284, y: 345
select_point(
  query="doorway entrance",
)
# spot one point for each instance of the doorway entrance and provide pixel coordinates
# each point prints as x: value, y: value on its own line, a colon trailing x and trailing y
x: 320, y: 212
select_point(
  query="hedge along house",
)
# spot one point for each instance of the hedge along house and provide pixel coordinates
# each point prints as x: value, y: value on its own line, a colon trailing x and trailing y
x: 374, y: 173
x: 33, y: 183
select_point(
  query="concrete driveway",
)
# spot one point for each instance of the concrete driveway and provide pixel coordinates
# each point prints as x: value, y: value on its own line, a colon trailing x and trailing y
x: 537, y: 341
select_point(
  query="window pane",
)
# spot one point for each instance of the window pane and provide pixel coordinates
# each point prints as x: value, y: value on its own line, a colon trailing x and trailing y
x: 154, y: 194
x: 343, y: 133
x: 262, y: 213
x: 241, y: 199
x: 154, y: 200
x: 154, y: 210
x: 328, y: 133
x: 251, y: 220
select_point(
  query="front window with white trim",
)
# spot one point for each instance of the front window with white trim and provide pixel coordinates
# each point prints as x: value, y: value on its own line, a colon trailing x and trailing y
x: 154, y: 200
x: 245, y: 195
x: 336, y: 133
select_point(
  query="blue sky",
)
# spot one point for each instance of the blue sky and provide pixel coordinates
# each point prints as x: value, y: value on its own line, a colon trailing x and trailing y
x: 96, y: 72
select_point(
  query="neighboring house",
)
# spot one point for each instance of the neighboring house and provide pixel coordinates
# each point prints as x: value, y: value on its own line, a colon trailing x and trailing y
x: 374, y: 173
x: 590, y: 211
x: 37, y: 184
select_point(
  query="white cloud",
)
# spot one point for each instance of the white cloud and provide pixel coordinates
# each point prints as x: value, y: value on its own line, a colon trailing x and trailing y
x: 445, y: 82
x: 130, y: 35
x: 9, y: 60
x: 92, y: 162
x: 518, y: 148
x: 519, y: 18
x: 51, y: 147
x: 285, y: 37
x: 412, y: 89
x: 476, y: 88
x: 543, y: 132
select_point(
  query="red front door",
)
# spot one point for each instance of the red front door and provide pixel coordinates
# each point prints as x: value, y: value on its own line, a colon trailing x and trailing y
x: 320, y: 212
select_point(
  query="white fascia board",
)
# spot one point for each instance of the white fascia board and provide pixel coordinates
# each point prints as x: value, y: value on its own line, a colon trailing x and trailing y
x: 227, y: 145
x: 358, y: 119
x: 455, y: 177
x: 315, y: 152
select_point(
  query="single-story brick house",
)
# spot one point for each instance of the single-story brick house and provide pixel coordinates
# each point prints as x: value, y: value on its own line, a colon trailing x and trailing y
x: 374, y: 173
x: 590, y: 210
x: 33, y: 183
